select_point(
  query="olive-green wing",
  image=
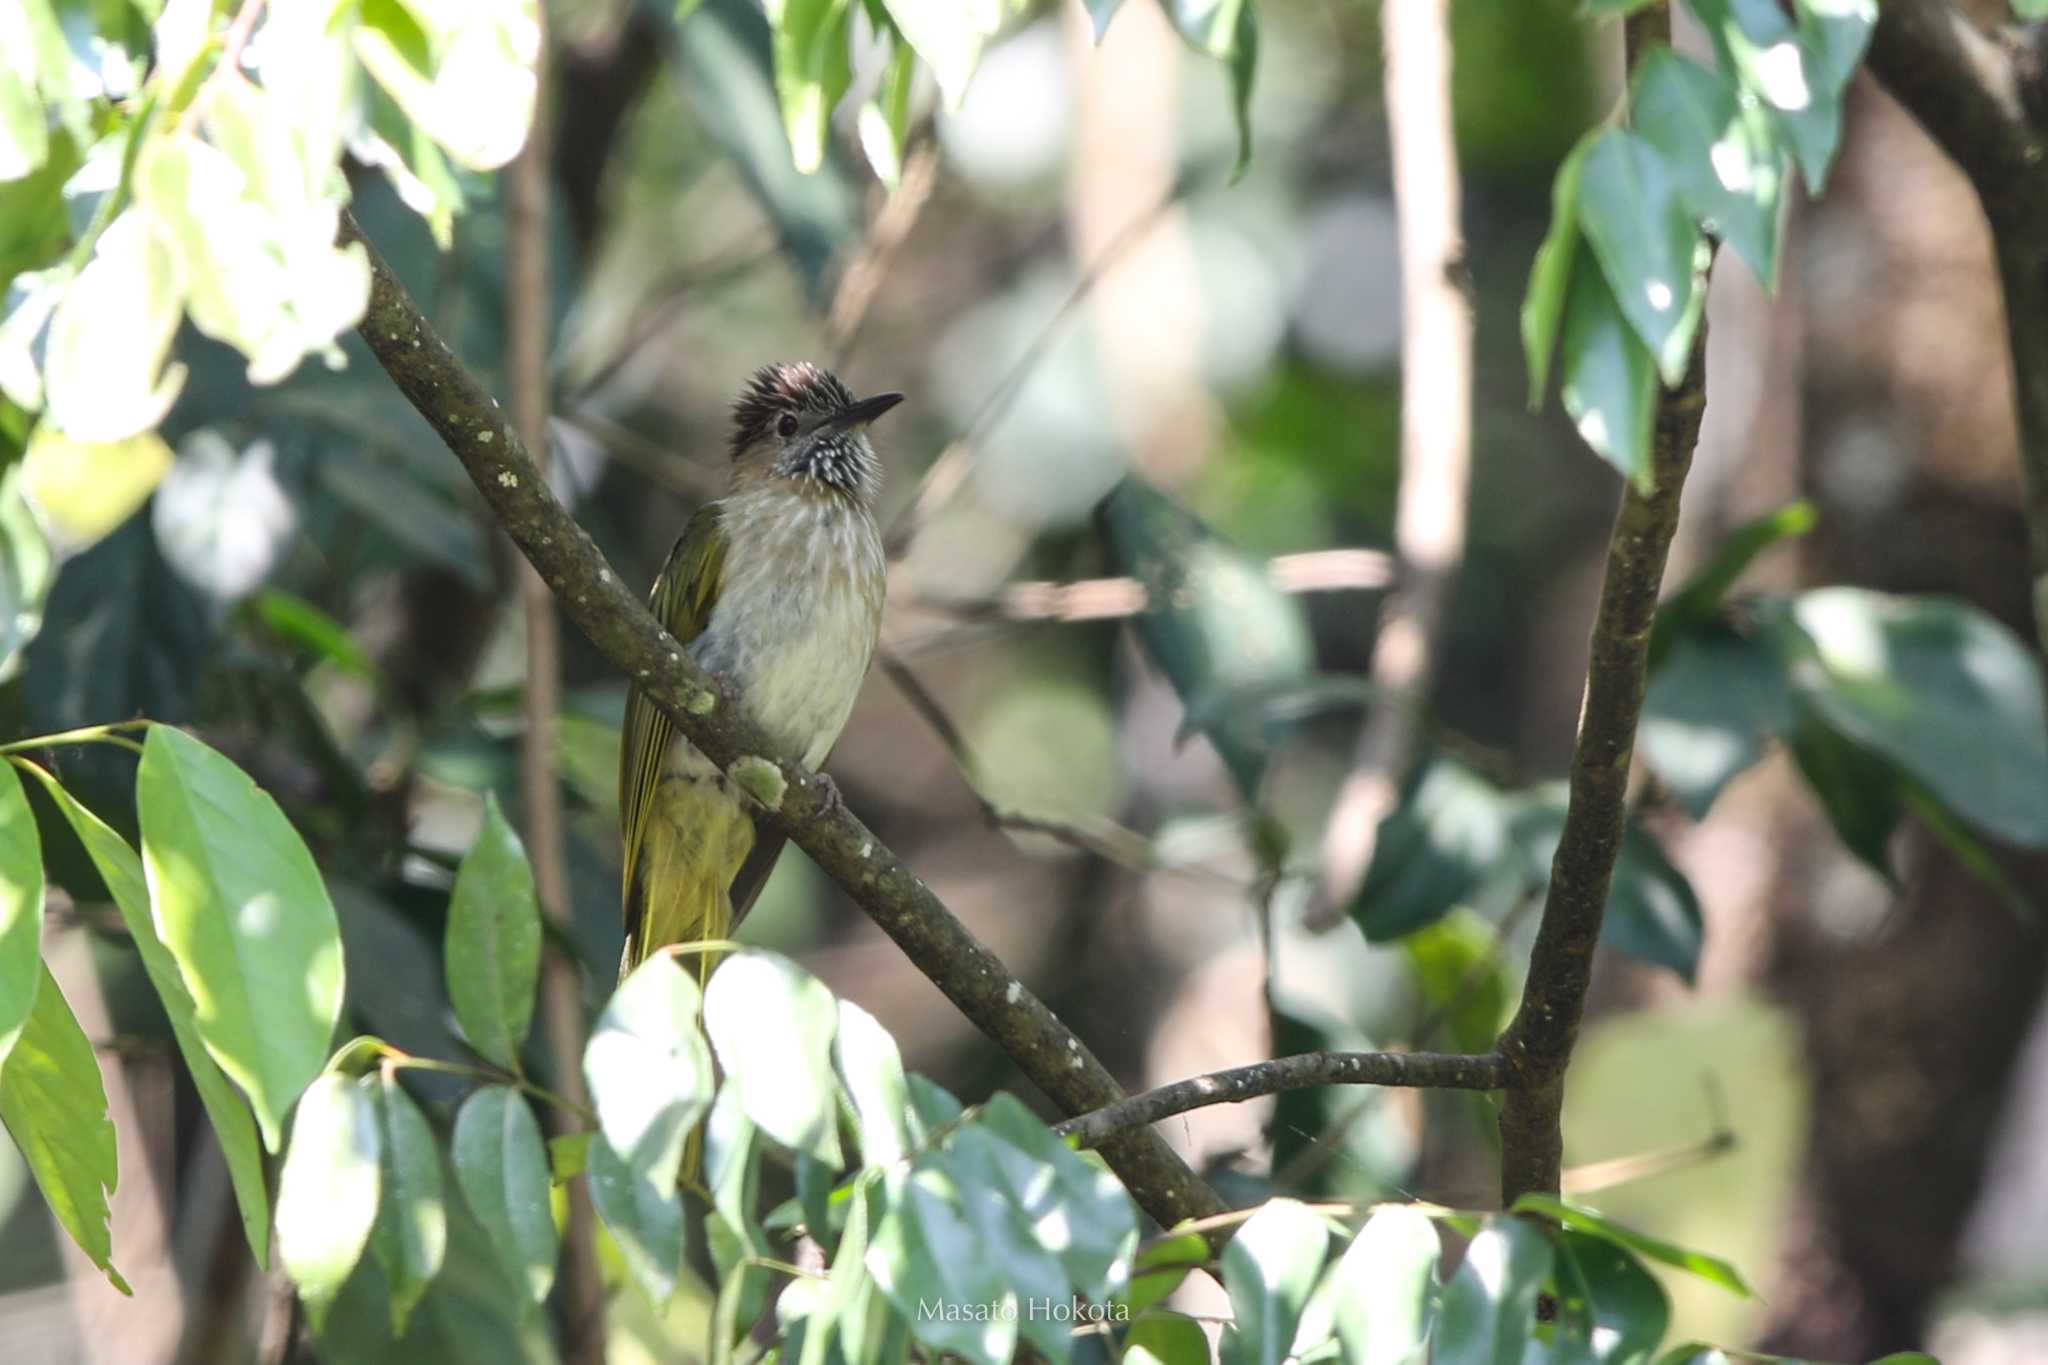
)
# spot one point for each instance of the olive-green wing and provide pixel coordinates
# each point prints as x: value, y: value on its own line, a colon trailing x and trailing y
x: 684, y: 593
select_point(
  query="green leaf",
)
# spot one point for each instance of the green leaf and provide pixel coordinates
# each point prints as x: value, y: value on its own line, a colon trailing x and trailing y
x: 299, y: 622
x: 923, y: 1249
x: 1384, y: 1288
x: 1700, y: 598
x: 1213, y: 620
x: 1729, y: 167
x: 27, y: 569
x: 105, y: 375
x: 1164, y: 1338
x: 327, y: 1193
x: 848, y: 1286
x: 812, y: 70
x: 1158, y: 1269
x: 1077, y: 1210
x: 477, y: 98
x: 1227, y: 30
x: 1936, y: 687
x: 772, y: 1024
x: 949, y: 36
x: 1277, y: 704
x: 493, y: 947
x: 1543, y: 303
x: 55, y: 1108
x: 645, y: 1219
x: 1835, y: 34
x: 410, y: 1239
x: 24, y: 131
x: 1860, y: 792
x: 987, y: 1173
x: 649, y: 1071
x: 122, y: 871
x: 243, y: 910
x: 1609, y: 1301
x: 84, y: 489
x: 1432, y: 850
x: 1717, y: 699
x: 885, y: 119
x: 872, y: 1070
x: 1712, y: 1269
x: 1489, y: 1304
x: 1457, y: 968
x: 1652, y: 913
x: 1634, y: 216
x: 732, y: 1170
x: 1610, y: 378
x: 34, y: 228
x: 1799, y: 72
x: 502, y: 1166
x: 21, y: 910
x: 1269, y: 1268
x: 1611, y: 9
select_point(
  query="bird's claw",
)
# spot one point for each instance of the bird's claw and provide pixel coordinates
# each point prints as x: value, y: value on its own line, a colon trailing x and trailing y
x: 829, y: 799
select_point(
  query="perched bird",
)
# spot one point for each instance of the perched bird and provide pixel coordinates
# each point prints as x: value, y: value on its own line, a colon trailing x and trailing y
x: 777, y: 589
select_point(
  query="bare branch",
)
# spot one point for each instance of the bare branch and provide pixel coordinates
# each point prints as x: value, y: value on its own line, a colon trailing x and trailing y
x: 468, y: 421
x: 1436, y: 439
x: 1420, y: 1070
x: 1109, y: 599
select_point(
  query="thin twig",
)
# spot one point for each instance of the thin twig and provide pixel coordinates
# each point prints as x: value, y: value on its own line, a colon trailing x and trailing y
x: 1302, y: 1071
x: 949, y: 471
x: 1436, y: 440
x: 862, y: 279
x: 1110, y: 599
x: 469, y: 423
x: 580, y: 1305
x: 1720, y: 1140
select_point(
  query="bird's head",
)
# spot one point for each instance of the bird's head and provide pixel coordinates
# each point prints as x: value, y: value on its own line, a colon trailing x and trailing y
x: 797, y: 422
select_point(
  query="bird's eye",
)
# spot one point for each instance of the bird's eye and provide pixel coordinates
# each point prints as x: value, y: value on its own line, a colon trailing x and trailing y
x: 787, y: 426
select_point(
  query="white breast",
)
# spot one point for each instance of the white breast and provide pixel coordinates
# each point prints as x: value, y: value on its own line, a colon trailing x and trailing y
x: 797, y: 615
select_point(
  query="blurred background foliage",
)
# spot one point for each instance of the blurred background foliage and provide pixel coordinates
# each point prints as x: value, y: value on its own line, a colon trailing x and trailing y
x: 1087, y: 282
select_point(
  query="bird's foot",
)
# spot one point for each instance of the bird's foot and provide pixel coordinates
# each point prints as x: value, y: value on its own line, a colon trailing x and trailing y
x: 829, y: 799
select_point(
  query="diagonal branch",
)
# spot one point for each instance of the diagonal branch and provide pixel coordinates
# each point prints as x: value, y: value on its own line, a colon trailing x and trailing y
x: 1419, y: 1070
x: 469, y: 421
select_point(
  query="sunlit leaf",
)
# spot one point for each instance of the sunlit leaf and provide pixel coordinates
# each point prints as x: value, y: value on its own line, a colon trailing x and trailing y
x: 1610, y: 378
x: 925, y: 1249
x: 1075, y: 1209
x: 327, y: 1194
x: 493, y: 946
x: 27, y: 569
x: 949, y: 36
x: 21, y: 910
x: 84, y: 489
x: 293, y: 618
x: 122, y: 871
x: 1432, y: 850
x: 1158, y: 1269
x: 812, y: 70
x: 1729, y: 166
x: 648, y: 1069
x: 243, y: 910
x: 1635, y: 218
x: 1384, y: 1288
x: 885, y: 119
x: 1489, y: 1304
x: 872, y: 1070
x: 1459, y: 972
x: 985, y: 1172
x: 1163, y: 1338
x: 55, y: 1108
x: 1936, y: 687
x: 410, y: 1239
x: 1715, y: 701
x: 1270, y: 1267
x: 502, y: 1166
x: 1544, y: 300
x: 644, y: 1218
x: 464, y: 72
x: 104, y: 373
x: 1611, y: 1306
x: 772, y: 1024
x: 1227, y: 30
x: 1712, y: 1269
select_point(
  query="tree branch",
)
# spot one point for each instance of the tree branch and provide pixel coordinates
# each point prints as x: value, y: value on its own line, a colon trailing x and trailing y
x: 1421, y: 1070
x: 1980, y: 104
x: 1436, y: 440
x: 468, y: 420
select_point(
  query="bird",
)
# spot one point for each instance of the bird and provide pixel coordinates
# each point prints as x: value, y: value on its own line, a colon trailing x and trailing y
x: 776, y: 589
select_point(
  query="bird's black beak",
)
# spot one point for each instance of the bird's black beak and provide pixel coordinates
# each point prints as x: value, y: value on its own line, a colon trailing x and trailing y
x: 863, y: 412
